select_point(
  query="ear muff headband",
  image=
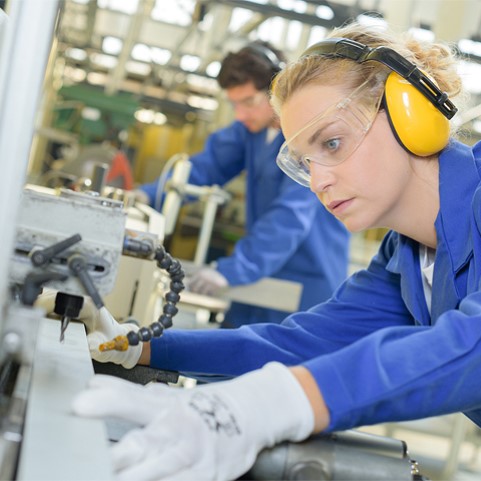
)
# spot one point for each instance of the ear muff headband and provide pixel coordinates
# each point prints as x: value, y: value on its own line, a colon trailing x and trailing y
x: 268, y: 56
x: 417, y: 110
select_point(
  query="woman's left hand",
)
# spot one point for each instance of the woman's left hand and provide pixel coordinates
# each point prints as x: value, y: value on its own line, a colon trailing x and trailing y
x: 210, y: 432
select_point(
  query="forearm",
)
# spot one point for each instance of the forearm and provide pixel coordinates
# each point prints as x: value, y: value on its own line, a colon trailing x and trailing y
x: 144, y: 359
x: 311, y: 389
x: 303, y: 376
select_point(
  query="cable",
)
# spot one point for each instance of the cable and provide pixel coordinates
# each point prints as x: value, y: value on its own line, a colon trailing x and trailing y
x: 176, y: 273
x: 174, y: 268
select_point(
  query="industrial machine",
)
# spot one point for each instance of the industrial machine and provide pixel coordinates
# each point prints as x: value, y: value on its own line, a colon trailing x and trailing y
x: 71, y: 242
x: 59, y: 243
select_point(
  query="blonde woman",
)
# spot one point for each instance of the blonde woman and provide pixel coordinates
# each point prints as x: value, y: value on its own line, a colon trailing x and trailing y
x: 366, y: 117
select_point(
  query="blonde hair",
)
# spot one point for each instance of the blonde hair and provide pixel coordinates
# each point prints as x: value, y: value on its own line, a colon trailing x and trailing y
x: 436, y: 59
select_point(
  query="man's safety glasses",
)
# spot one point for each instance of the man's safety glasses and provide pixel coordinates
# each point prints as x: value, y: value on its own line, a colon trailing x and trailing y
x: 251, y: 102
x: 332, y: 136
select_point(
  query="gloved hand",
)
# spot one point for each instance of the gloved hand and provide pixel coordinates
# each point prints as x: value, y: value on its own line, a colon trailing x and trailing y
x: 207, y: 281
x: 210, y: 432
x: 101, y: 327
x: 141, y: 196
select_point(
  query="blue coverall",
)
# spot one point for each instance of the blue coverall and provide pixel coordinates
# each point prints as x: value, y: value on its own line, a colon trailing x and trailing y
x: 375, y: 350
x: 289, y: 234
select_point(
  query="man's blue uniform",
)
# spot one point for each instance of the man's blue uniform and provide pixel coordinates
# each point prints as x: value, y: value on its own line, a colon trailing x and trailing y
x: 289, y: 234
x: 376, y: 351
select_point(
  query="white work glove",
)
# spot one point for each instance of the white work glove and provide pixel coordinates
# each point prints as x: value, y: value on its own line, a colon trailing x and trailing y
x: 207, y: 281
x: 101, y: 327
x: 141, y: 196
x: 210, y: 432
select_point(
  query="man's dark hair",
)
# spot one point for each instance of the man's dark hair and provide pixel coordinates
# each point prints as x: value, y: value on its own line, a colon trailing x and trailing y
x: 257, y: 62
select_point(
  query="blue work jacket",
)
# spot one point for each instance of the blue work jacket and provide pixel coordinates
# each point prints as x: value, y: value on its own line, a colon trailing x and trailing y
x: 289, y: 234
x: 376, y: 351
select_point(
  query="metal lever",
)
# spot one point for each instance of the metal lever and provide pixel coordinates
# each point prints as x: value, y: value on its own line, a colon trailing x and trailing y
x: 78, y: 266
x: 33, y: 285
x: 43, y: 256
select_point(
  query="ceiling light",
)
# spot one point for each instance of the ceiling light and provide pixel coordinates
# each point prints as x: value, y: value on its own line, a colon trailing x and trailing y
x: 189, y: 63
x: 106, y: 61
x: 141, y: 52
x: 129, y: 7
x: 200, y: 82
x: 76, y: 54
x: 422, y: 34
x: 372, y: 19
x: 317, y: 34
x: 271, y: 30
x: 95, y: 78
x: 292, y: 5
x: 325, y: 12
x: 75, y: 74
x: 91, y: 113
x: 202, y: 102
x: 293, y: 35
x: 160, y: 118
x: 112, y: 45
x: 206, y: 23
x: 177, y: 13
x: 137, y: 68
x: 145, y: 115
x: 239, y: 17
x: 160, y: 55
x: 213, y: 69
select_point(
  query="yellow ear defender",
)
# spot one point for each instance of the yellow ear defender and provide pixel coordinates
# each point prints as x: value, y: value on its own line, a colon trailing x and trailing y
x: 417, y: 110
x: 417, y: 124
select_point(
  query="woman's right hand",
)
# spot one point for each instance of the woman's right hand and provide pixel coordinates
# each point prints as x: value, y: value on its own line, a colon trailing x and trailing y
x: 101, y: 327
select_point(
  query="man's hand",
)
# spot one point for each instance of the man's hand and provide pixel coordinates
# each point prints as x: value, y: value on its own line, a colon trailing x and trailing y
x: 211, y: 432
x: 207, y: 281
x: 141, y: 196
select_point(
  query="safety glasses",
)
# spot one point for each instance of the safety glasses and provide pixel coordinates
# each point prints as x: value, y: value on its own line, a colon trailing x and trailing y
x: 332, y: 136
x: 251, y: 102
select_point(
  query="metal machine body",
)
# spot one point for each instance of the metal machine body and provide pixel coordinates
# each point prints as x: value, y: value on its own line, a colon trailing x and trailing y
x: 46, y: 218
x: 34, y: 365
x: 342, y: 456
x: 38, y: 374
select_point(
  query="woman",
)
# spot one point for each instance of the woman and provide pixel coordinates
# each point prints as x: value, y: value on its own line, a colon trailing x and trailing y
x: 369, y: 134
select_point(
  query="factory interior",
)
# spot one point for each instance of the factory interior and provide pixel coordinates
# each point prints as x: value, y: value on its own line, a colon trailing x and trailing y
x: 101, y: 96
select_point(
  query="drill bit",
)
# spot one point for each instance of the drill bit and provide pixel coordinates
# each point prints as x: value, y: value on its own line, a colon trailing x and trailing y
x: 63, y: 327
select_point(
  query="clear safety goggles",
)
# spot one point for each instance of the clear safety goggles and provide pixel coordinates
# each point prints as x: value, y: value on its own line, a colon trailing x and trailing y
x: 332, y: 136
